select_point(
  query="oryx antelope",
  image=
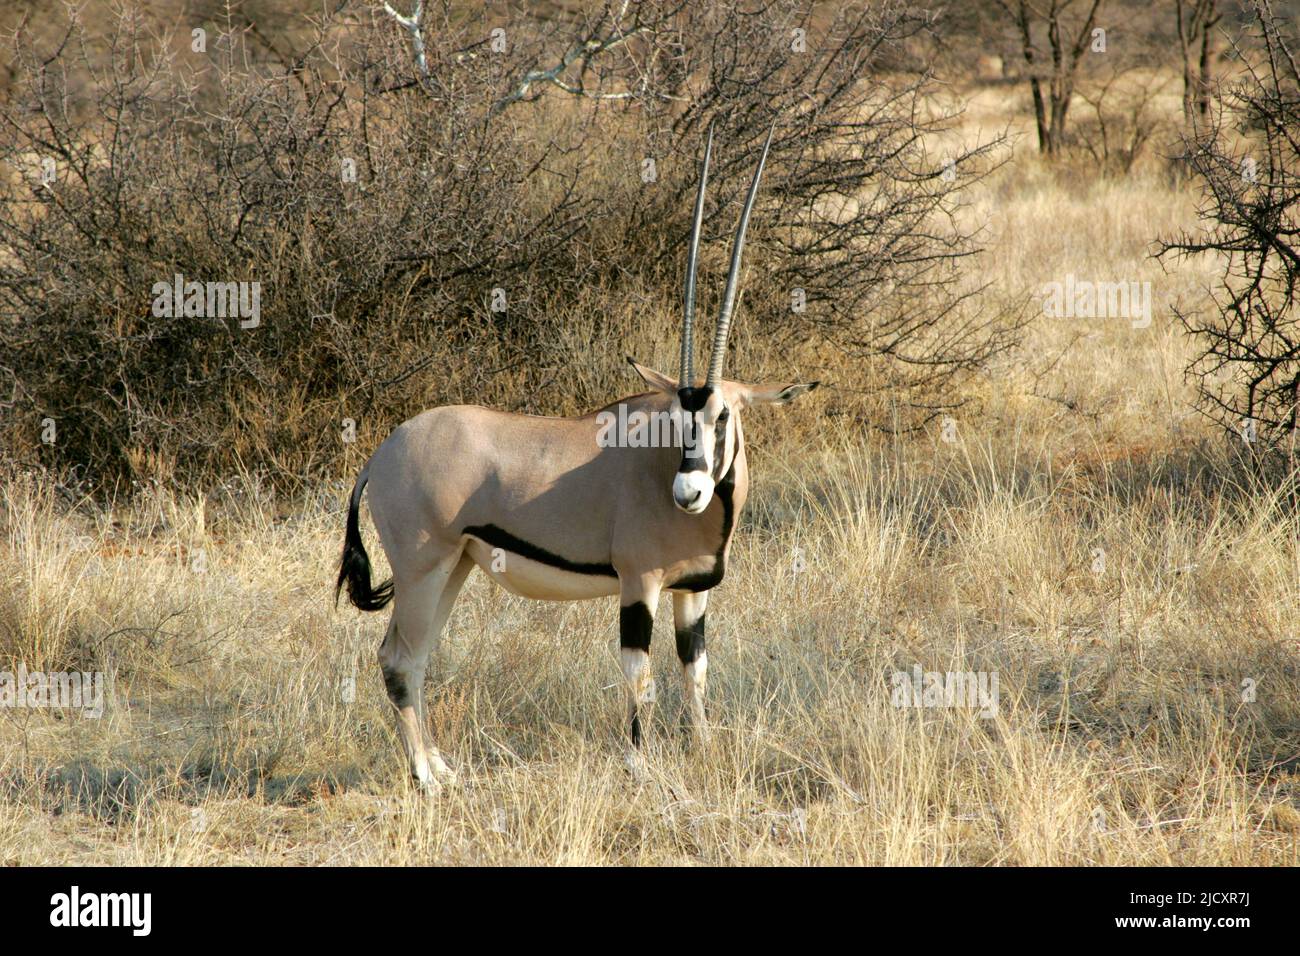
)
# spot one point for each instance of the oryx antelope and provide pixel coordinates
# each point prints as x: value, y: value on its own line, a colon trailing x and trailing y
x: 550, y: 512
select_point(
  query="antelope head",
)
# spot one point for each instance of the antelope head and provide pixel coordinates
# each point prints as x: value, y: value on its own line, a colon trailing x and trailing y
x: 706, y: 417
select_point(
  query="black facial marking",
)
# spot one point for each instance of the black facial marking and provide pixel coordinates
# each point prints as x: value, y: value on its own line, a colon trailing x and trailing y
x: 396, y: 686
x: 692, y: 400
x: 719, y: 445
x: 635, y: 623
x: 691, y: 462
x: 492, y: 535
x: 690, y: 641
x: 710, y: 579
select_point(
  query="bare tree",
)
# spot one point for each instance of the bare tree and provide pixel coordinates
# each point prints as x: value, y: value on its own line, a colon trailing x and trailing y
x: 1196, y: 19
x: 1058, y: 66
x: 1121, y: 115
x: 1248, y: 367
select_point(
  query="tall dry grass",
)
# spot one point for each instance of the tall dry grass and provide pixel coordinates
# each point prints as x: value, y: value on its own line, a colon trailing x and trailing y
x: 1121, y: 735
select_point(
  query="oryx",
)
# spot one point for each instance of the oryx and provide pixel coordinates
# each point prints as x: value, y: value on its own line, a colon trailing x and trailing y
x: 551, y: 509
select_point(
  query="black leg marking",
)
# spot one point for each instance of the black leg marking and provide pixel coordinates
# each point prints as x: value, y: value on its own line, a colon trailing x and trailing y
x: 397, y: 690
x: 690, y: 641
x: 636, y: 730
x: 635, y: 622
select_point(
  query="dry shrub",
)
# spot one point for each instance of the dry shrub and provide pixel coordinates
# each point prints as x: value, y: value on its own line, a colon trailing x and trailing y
x: 494, y: 245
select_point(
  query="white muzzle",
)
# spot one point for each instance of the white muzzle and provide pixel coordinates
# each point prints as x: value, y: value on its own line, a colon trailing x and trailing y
x: 692, y: 491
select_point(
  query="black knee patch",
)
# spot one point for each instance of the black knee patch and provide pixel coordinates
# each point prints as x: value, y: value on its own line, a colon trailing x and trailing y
x: 636, y: 730
x: 635, y: 624
x: 690, y: 641
x: 396, y: 687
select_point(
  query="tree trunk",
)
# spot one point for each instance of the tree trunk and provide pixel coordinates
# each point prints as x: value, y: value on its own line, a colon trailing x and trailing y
x: 1203, y: 82
x: 1040, y: 117
x: 1036, y: 87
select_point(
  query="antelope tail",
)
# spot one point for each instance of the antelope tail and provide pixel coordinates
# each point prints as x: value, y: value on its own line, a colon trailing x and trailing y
x: 354, y: 568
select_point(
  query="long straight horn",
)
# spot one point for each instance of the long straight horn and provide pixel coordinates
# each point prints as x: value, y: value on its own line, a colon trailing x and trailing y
x: 687, y: 375
x: 733, y: 274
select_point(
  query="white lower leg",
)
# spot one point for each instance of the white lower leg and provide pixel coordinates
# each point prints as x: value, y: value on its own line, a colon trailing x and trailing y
x: 640, y: 689
x: 688, y: 619
x: 405, y: 688
x: 441, y: 771
x: 694, y: 684
x: 408, y: 728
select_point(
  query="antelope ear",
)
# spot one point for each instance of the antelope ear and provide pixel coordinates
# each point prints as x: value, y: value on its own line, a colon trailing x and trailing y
x: 774, y: 393
x: 656, y: 380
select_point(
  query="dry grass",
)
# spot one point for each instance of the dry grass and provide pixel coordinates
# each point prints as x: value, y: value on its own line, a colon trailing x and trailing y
x: 1122, y: 736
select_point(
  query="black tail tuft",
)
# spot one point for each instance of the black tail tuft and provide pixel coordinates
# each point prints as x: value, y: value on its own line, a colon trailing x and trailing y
x: 354, y: 568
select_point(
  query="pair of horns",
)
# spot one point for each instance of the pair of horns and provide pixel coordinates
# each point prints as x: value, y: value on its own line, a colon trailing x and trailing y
x: 719, y: 352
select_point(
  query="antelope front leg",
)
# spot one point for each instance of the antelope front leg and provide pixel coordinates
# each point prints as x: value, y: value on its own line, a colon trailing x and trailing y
x: 688, y: 623
x: 636, y: 619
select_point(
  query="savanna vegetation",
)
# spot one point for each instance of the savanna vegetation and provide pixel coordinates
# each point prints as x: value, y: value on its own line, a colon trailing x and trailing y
x: 492, y: 206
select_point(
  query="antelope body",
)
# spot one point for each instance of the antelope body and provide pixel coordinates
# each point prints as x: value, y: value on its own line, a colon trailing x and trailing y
x: 553, y: 509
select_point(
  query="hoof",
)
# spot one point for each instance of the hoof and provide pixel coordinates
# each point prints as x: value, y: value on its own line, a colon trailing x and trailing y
x: 442, y: 773
x: 425, y: 781
x: 635, y: 762
x: 446, y: 777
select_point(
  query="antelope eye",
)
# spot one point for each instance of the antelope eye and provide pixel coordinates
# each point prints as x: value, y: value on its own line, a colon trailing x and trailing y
x: 724, y: 415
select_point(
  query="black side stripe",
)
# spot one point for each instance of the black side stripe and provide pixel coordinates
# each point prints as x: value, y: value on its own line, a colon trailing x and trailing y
x: 490, y: 534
